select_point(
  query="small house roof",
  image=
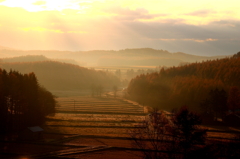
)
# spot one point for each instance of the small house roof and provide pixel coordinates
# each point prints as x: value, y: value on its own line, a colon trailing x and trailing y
x: 35, y: 129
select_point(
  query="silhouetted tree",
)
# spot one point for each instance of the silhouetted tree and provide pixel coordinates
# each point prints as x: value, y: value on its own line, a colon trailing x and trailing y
x: 234, y: 99
x: 186, y: 128
x: 237, y: 55
x: 152, y: 136
x: 218, y: 101
x: 159, y: 136
x: 22, y: 101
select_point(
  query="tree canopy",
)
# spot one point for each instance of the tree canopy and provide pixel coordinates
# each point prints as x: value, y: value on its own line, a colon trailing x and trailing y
x: 22, y: 101
x: 185, y: 85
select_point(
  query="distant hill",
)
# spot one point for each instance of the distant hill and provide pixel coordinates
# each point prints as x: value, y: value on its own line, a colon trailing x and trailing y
x: 35, y: 58
x: 62, y: 76
x: 27, y: 58
x: 126, y: 57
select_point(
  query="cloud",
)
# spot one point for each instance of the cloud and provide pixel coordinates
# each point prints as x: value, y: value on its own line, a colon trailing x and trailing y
x: 174, y: 30
x: 121, y: 13
x: 227, y: 23
x: 201, y: 13
x: 116, y: 27
x: 194, y: 40
x: 200, y: 40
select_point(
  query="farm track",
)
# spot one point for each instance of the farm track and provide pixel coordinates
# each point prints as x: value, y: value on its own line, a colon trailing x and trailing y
x: 70, y: 151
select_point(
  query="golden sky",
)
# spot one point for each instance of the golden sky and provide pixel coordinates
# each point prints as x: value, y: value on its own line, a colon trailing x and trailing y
x: 197, y: 27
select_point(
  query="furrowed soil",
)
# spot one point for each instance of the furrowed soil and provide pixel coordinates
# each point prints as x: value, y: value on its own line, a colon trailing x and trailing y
x: 84, y: 127
x: 95, y: 116
x: 100, y: 123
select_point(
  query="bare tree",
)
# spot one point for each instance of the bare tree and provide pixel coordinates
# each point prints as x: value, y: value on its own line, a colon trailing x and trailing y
x: 115, y: 88
x: 153, y: 136
x: 161, y: 136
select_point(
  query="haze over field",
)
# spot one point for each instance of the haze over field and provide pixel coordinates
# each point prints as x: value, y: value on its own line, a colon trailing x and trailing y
x: 206, y: 28
x: 128, y: 79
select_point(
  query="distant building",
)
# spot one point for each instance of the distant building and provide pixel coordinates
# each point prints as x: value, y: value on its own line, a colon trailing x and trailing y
x: 31, y: 133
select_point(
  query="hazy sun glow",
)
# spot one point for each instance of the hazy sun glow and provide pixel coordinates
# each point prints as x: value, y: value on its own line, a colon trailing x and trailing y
x: 192, y: 12
x: 118, y: 24
x: 41, y: 5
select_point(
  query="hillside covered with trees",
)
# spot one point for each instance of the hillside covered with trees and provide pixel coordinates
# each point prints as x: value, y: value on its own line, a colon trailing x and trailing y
x: 210, y: 86
x: 23, y: 102
x: 125, y: 57
x: 55, y: 75
x: 35, y: 58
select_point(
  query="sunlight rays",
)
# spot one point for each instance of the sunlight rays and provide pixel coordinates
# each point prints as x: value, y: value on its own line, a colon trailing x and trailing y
x: 118, y: 24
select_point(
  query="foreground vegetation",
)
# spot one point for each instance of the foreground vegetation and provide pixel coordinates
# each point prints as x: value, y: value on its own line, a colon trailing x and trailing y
x: 23, y: 102
x: 180, y: 136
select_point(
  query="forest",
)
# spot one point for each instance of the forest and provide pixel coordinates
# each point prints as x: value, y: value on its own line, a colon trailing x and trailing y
x: 55, y: 75
x: 207, y: 87
x: 23, y: 102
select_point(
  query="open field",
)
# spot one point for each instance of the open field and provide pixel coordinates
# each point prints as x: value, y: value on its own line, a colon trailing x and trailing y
x: 84, y: 127
x: 107, y: 116
x: 98, y: 122
x: 92, y: 127
x: 96, y: 116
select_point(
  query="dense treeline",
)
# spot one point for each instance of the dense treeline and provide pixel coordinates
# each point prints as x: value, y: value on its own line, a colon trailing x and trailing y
x: 190, y: 84
x: 22, y: 101
x: 62, y: 76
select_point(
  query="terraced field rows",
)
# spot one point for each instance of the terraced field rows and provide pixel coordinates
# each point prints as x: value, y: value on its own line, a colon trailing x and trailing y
x: 98, y: 105
x: 96, y: 116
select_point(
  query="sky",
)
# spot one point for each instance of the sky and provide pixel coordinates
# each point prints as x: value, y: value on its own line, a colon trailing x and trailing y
x: 206, y: 27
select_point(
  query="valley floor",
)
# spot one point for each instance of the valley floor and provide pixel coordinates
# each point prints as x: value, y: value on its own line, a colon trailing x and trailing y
x: 88, y: 128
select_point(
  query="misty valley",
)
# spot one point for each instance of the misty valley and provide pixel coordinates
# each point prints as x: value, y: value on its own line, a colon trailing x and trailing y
x: 136, y: 103
x: 119, y: 79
